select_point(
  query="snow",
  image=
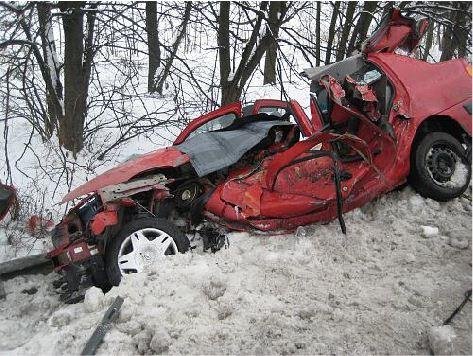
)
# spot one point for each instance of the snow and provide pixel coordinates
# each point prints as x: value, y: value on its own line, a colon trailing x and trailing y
x: 441, y: 339
x: 460, y: 175
x: 377, y: 290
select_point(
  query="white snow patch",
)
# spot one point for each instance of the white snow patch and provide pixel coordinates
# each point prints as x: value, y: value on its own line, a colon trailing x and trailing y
x: 459, y: 177
x: 441, y: 340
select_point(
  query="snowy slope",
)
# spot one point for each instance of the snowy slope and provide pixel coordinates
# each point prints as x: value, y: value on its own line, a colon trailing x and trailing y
x: 377, y: 290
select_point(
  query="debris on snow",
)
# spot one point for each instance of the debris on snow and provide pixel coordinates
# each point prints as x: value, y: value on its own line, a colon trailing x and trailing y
x: 441, y: 340
x: 110, y: 316
x: 429, y: 231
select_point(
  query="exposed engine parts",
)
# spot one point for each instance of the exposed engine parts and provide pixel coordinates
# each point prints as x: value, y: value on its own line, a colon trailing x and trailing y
x: 186, y: 194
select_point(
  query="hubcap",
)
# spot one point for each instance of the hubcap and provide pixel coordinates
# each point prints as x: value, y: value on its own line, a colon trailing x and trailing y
x: 441, y: 163
x: 143, y: 248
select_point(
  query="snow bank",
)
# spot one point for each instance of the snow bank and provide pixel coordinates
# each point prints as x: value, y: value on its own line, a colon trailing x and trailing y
x: 378, y: 290
x: 441, y: 340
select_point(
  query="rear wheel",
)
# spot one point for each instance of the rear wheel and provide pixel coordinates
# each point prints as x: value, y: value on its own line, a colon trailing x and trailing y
x: 439, y: 167
x: 141, y: 243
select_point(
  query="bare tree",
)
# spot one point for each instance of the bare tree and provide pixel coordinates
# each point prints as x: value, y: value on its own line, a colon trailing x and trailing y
x: 428, y: 42
x: 175, y: 46
x: 153, y: 44
x: 55, y: 112
x: 342, y: 45
x: 454, y: 36
x: 233, y: 83
x: 331, y: 30
x: 362, y: 26
x: 317, y: 34
x: 78, y: 56
x: 275, y: 8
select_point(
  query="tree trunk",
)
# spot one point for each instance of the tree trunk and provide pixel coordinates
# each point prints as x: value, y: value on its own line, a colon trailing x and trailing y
x: 463, y: 27
x: 272, y: 51
x: 223, y: 41
x: 448, y: 41
x: 317, y: 35
x: 175, y: 46
x: 428, y: 42
x: 362, y: 25
x: 254, y: 50
x: 55, y: 112
x: 77, y: 69
x: 331, y: 31
x: 370, y: 10
x: 154, y: 52
x: 342, y: 46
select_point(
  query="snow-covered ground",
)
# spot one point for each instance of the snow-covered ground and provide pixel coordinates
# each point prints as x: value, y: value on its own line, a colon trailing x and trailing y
x: 377, y: 290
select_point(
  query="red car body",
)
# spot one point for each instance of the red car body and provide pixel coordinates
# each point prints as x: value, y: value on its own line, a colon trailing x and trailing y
x: 288, y: 183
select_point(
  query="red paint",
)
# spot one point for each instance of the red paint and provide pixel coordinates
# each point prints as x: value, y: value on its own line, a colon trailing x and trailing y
x: 396, y: 32
x: 162, y: 158
x: 268, y: 103
x: 317, y: 122
x: 37, y: 224
x: 431, y: 90
x: 301, y: 118
x: 103, y: 220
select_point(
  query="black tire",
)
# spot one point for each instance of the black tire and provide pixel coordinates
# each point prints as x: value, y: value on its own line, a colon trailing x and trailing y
x: 435, y: 155
x: 113, y: 246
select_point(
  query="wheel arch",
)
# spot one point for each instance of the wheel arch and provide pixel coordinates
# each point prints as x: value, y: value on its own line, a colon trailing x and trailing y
x: 442, y: 123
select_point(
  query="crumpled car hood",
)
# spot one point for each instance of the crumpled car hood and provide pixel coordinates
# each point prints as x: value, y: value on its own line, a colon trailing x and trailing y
x: 161, y: 158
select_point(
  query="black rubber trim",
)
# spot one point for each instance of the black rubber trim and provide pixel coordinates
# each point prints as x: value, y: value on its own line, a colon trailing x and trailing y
x: 468, y: 108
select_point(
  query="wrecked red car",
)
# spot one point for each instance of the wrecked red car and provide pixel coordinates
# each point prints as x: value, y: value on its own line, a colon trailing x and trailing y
x: 378, y: 119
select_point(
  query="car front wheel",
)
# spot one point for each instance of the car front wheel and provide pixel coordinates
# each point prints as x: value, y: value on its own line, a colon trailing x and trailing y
x: 439, y: 167
x: 141, y: 243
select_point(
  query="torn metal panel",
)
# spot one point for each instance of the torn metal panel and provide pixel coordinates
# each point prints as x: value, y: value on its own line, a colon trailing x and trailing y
x: 283, y: 159
x: 102, y: 220
x: 366, y: 97
x: 338, y: 70
x: 122, y: 190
